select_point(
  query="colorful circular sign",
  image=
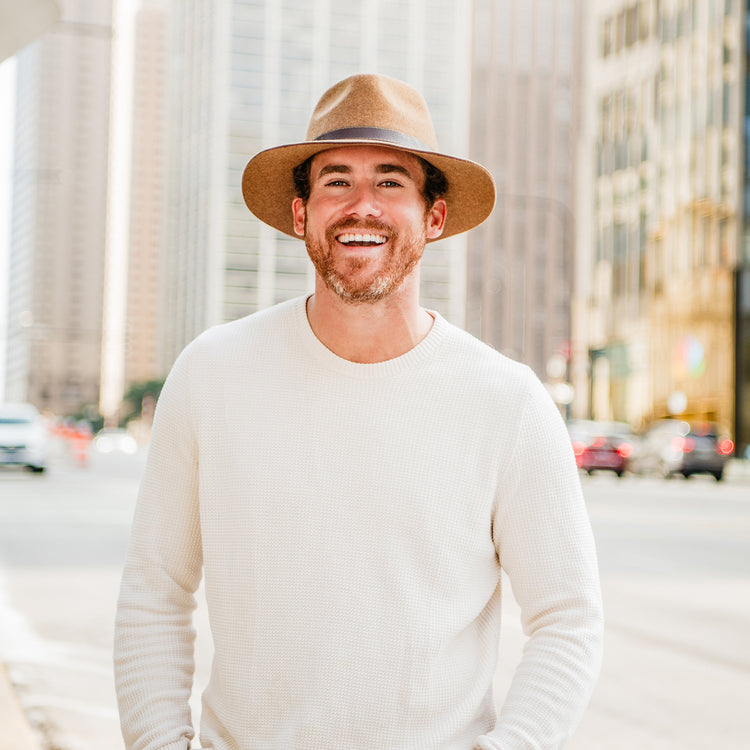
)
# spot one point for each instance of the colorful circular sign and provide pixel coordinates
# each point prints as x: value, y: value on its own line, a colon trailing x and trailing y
x: 688, y: 359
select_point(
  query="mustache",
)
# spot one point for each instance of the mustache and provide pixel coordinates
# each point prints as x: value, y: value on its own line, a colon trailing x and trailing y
x: 367, y: 225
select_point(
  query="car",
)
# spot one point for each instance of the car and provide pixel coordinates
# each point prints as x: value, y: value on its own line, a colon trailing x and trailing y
x: 601, y: 446
x: 116, y: 440
x: 24, y: 438
x: 673, y: 446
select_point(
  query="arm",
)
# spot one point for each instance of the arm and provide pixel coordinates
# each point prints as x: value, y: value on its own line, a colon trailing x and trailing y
x: 154, y: 659
x: 544, y: 543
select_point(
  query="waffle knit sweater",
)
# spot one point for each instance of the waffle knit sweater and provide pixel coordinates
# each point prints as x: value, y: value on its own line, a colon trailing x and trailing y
x: 350, y: 522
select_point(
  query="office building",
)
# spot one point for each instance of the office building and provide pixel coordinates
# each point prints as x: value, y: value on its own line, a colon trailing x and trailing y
x: 525, y: 100
x: 660, y: 207
x: 58, y: 213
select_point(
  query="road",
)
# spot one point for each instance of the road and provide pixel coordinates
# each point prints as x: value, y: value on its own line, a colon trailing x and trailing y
x: 675, y: 562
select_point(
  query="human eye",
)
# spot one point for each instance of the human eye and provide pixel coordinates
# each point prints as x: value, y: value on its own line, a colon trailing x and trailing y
x: 336, y: 182
x: 390, y: 183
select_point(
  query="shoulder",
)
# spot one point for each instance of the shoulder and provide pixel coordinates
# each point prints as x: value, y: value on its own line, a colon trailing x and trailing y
x: 479, y: 363
x: 266, y: 336
x: 267, y: 322
x: 504, y: 400
x: 265, y: 327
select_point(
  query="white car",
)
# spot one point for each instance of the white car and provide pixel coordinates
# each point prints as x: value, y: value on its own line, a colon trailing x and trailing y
x: 24, y: 439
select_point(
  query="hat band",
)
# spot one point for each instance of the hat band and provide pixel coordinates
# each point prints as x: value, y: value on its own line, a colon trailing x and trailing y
x: 375, y: 134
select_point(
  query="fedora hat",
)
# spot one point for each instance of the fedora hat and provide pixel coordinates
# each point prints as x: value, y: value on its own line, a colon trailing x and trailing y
x: 372, y: 110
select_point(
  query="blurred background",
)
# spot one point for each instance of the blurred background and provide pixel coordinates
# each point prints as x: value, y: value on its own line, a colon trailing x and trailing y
x: 616, y: 263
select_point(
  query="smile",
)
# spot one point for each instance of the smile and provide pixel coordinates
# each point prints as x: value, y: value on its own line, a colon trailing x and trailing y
x: 352, y: 238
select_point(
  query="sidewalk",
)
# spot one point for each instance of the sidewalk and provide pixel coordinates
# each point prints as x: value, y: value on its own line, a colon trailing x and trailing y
x: 16, y: 732
x: 738, y: 470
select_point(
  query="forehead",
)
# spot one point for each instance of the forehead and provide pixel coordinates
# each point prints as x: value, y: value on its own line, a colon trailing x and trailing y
x: 366, y: 157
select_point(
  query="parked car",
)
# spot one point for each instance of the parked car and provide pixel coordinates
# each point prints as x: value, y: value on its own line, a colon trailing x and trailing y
x: 24, y: 439
x: 673, y: 446
x: 601, y: 446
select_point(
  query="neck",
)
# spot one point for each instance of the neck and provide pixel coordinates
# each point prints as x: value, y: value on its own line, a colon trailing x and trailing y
x: 368, y: 332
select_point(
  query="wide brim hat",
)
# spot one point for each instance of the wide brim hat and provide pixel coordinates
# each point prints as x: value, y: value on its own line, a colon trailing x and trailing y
x: 372, y: 110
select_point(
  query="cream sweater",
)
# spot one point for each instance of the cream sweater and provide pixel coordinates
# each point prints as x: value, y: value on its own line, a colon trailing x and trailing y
x: 351, y: 521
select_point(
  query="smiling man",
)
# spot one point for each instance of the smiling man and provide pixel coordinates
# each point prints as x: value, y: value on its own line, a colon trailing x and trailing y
x: 350, y: 474
x: 379, y: 220
x: 365, y: 222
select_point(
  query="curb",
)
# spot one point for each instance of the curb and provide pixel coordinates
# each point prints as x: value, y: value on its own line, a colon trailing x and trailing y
x: 17, y: 733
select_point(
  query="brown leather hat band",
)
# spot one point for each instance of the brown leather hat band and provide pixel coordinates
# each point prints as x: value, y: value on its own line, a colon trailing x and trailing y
x: 375, y: 134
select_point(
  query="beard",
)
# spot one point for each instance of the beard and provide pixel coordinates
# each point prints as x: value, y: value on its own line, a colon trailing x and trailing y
x: 349, y: 279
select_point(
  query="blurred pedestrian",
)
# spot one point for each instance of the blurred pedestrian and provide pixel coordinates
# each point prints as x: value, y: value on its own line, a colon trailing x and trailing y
x: 350, y: 473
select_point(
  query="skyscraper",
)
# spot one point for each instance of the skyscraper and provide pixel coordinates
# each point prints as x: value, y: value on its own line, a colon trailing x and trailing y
x: 524, y: 115
x: 59, y: 212
x: 146, y: 236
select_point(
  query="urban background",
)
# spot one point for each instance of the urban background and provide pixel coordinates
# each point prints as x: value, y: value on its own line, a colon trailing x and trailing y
x: 616, y: 263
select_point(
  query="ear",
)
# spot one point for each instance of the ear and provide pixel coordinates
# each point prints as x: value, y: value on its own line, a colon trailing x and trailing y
x: 300, y: 216
x: 436, y: 219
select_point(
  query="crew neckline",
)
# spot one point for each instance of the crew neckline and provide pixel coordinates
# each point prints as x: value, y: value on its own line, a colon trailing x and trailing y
x: 415, y: 357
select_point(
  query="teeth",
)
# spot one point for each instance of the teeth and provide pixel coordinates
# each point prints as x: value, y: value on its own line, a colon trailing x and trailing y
x: 372, y: 239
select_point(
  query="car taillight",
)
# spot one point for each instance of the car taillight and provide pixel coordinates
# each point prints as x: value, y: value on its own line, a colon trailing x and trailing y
x: 625, y: 450
x: 578, y: 447
x: 725, y: 447
x: 682, y: 445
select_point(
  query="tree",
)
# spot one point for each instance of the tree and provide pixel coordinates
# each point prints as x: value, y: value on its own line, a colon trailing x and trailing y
x: 138, y: 393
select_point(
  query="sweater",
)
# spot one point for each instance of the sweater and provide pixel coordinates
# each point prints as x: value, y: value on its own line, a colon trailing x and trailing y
x: 350, y: 522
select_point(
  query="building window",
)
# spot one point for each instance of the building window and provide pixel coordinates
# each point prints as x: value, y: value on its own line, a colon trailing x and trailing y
x: 644, y: 20
x: 631, y: 26
x: 606, y: 38
x: 620, y: 31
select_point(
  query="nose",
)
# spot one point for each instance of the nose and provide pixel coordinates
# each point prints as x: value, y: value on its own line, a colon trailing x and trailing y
x: 363, y: 201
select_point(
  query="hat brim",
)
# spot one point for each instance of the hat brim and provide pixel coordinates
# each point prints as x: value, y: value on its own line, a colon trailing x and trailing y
x: 268, y: 185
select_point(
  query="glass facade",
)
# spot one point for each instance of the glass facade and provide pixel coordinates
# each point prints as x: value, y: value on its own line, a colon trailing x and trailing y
x: 525, y: 85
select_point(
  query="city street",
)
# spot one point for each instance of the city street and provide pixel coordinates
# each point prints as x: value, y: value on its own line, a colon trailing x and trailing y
x: 675, y: 561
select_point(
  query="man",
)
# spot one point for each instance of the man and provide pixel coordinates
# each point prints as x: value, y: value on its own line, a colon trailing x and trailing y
x: 350, y: 473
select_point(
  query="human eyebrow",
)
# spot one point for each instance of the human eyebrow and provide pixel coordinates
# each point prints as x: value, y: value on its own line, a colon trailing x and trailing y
x: 333, y: 169
x: 388, y: 168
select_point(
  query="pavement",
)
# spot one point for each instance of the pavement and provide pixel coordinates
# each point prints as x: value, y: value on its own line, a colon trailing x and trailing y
x: 16, y: 733
x: 738, y: 470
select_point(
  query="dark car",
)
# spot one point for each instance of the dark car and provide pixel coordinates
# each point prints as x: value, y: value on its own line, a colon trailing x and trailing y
x: 601, y: 446
x: 672, y: 446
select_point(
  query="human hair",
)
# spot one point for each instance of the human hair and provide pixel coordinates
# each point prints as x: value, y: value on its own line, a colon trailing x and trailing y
x: 435, y: 182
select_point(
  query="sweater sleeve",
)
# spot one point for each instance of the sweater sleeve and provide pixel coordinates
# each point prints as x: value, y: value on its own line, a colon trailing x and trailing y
x: 545, y: 544
x: 153, y: 651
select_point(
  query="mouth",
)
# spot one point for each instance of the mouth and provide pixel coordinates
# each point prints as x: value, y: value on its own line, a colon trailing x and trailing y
x: 361, y: 239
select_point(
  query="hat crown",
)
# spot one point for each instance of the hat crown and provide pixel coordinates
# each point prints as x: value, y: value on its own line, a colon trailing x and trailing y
x: 365, y: 110
x: 373, y: 101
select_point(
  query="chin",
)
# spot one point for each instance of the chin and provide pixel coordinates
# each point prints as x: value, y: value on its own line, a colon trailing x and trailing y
x: 375, y: 291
